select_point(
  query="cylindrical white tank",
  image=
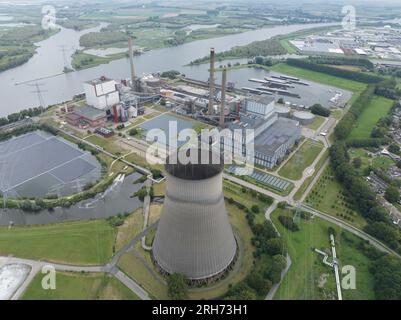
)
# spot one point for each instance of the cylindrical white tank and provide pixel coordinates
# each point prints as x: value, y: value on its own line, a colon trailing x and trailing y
x: 283, y: 111
x: 304, y: 117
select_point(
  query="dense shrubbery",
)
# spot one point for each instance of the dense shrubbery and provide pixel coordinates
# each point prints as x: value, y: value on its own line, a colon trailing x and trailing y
x: 387, y: 276
x: 342, y: 73
x: 269, y: 47
x: 14, y: 117
x: 171, y: 74
x: 268, y: 264
x: 288, y: 223
x: 319, y: 110
x: 366, y: 143
x: 177, y: 286
x: 388, y: 89
x: 347, y: 61
x: 379, y: 224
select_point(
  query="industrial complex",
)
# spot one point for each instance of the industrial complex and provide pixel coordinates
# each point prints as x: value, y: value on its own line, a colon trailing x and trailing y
x: 374, y: 42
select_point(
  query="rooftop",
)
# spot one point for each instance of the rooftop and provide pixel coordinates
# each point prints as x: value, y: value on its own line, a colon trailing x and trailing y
x: 90, y: 113
x: 100, y: 80
x: 270, y: 140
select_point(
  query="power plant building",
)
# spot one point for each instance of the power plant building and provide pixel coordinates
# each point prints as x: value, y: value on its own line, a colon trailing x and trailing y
x: 274, y: 137
x: 194, y: 235
x: 101, y: 93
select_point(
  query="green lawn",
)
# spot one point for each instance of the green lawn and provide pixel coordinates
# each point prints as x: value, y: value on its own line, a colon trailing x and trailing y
x: 304, y: 279
x: 330, y: 197
x: 374, y: 111
x: 80, y: 286
x: 84, y: 242
x: 320, y: 77
x: 235, y: 192
x: 301, y: 160
x: 317, y: 123
x: 99, y: 141
x: 298, y: 195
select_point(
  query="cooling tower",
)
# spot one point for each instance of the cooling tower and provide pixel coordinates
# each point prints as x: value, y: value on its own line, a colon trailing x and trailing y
x: 194, y: 235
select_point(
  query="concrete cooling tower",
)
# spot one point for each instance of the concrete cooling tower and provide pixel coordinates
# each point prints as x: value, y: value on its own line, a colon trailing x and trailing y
x: 194, y: 235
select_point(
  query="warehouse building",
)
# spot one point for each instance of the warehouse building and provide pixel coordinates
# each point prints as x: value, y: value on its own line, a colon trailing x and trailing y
x: 86, y: 117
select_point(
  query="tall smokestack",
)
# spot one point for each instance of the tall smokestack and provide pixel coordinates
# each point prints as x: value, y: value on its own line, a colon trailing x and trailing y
x: 223, y: 99
x: 131, y: 60
x: 211, y: 81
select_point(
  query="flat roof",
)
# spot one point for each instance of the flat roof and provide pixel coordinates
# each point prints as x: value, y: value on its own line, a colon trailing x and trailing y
x: 270, y: 140
x: 90, y: 113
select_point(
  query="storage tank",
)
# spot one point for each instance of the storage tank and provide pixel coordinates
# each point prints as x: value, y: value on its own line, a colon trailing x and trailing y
x: 283, y: 111
x: 305, y: 118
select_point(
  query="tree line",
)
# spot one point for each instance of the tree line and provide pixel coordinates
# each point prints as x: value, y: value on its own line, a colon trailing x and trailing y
x: 342, y: 73
x: 379, y: 224
x: 347, y: 61
x: 17, y: 116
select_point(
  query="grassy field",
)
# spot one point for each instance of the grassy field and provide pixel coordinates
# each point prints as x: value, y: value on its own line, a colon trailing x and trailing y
x: 306, y: 278
x: 320, y: 77
x: 132, y: 226
x: 374, y: 111
x: 99, y: 141
x: 317, y: 123
x: 301, y: 160
x: 235, y: 192
x: 329, y: 196
x: 84, y: 242
x: 298, y: 195
x: 80, y: 286
x: 81, y: 60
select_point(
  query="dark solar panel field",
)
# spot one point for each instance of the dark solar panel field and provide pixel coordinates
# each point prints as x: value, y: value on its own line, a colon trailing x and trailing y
x: 36, y: 164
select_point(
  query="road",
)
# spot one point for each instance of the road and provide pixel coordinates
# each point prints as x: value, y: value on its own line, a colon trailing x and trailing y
x: 111, y: 268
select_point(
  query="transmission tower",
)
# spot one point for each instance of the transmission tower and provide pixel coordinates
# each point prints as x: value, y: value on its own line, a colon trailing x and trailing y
x: 39, y: 92
x: 298, y: 214
x: 64, y: 51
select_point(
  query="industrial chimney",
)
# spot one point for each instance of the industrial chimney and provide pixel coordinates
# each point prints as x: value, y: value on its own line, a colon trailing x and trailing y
x: 223, y: 99
x: 131, y: 60
x: 211, y: 81
x: 194, y: 235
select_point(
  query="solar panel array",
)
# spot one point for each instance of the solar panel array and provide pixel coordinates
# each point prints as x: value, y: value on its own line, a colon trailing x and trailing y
x: 30, y: 165
x: 261, y: 177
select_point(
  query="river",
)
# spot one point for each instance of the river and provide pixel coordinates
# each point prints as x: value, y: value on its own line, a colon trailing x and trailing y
x: 16, y: 85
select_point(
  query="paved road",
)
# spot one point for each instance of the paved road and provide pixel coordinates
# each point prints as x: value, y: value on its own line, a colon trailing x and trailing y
x: 132, y: 285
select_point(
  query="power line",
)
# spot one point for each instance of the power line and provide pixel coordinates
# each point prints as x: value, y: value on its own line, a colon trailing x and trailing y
x: 39, y: 92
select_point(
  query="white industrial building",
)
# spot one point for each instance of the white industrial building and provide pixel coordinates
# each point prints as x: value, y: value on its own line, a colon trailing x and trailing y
x: 101, y: 93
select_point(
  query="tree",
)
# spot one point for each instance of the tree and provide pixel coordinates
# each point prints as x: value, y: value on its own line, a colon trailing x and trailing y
x: 255, y: 209
x: 318, y: 109
x: 275, y: 246
x: 387, y: 278
x: 392, y: 194
x: 393, y: 148
x: 280, y: 101
x: 258, y: 283
x: 357, y: 162
x: 177, y: 286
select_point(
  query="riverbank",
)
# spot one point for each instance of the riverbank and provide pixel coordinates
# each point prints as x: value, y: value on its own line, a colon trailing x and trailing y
x: 63, y: 87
